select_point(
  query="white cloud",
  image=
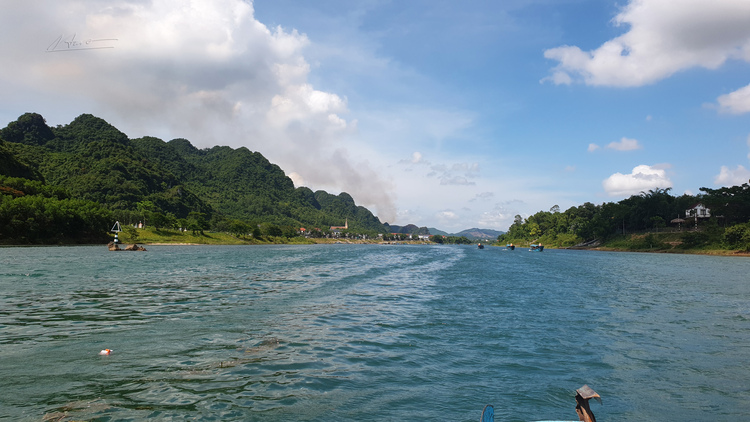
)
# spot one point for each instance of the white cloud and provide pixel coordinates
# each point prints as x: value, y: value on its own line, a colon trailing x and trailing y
x: 205, y: 70
x: 499, y: 216
x: 625, y: 144
x: 482, y: 196
x: 296, y: 179
x: 736, y: 102
x: 447, y: 174
x: 455, y: 180
x: 727, y: 177
x: 447, y: 217
x: 642, y: 178
x: 664, y: 37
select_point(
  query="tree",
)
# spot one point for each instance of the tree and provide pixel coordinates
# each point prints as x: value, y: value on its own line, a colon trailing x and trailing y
x: 731, y: 202
x: 146, y: 208
x: 657, y: 222
x: 239, y: 228
x: 130, y: 232
x: 196, y: 222
x: 158, y: 220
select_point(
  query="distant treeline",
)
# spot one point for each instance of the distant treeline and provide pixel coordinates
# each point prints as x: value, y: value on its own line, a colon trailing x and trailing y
x: 451, y: 240
x: 70, y: 183
x: 650, y: 211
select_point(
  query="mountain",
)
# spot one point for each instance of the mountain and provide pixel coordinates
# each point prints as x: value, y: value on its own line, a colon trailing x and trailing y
x: 91, y: 160
x: 478, y: 234
x: 408, y: 229
x: 437, y: 232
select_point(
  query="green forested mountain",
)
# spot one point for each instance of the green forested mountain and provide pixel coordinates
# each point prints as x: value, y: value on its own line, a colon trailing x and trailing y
x: 479, y: 234
x: 411, y: 229
x: 92, y: 162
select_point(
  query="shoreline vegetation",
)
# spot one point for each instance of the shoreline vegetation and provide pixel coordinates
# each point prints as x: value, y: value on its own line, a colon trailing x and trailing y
x: 666, y: 242
x: 673, y: 242
x: 67, y: 184
x: 161, y: 237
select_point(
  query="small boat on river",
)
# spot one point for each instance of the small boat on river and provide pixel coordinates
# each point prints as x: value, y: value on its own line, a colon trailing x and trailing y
x: 480, y: 246
x: 510, y: 247
x: 536, y: 248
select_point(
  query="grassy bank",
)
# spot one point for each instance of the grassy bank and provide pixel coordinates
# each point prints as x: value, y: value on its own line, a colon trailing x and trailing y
x: 151, y: 236
x: 682, y: 242
x: 672, y: 242
x: 166, y: 236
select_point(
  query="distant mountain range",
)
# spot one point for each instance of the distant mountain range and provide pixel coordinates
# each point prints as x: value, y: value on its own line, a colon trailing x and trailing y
x: 475, y: 233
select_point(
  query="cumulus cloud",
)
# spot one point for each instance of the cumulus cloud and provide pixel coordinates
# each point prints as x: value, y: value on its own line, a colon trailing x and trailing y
x: 500, y: 216
x: 729, y: 177
x: 447, y: 217
x: 663, y: 37
x: 625, y: 144
x: 737, y: 102
x: 642, y: 178
x: 205, y: 70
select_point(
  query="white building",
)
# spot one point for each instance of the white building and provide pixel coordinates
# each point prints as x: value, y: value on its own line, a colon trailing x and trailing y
x: 698, y: 210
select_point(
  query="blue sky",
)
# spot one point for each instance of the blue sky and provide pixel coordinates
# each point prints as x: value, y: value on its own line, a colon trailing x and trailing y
x: 438, y: 113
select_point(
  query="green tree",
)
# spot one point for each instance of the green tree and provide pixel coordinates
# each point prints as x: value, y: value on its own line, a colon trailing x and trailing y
x: 130, y: 232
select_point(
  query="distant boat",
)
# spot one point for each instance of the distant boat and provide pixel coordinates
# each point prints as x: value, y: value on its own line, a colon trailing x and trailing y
x: 536, y: 248
x: 510, y: 247
x: 480, y: 246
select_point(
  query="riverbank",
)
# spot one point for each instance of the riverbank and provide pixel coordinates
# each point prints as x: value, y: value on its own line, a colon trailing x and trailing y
x: 158, y: 237
x: 716, y: 252
x: 670, y: 242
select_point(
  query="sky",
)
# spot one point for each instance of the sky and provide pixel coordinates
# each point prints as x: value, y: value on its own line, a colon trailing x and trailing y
x: 437, y: 113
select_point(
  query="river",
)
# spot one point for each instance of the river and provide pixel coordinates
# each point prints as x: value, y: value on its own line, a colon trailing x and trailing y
x: 370, y: 333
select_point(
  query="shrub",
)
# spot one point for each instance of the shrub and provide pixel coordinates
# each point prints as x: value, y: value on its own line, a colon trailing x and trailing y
x: 694, y: 239
x: 738, y: 237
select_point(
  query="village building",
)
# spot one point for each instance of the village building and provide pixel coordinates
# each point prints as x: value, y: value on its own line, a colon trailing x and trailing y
x: 698, y: 210
x: 344, y: 227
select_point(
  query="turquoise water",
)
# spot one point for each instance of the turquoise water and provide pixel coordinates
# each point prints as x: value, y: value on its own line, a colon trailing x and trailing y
x: 370, y: 333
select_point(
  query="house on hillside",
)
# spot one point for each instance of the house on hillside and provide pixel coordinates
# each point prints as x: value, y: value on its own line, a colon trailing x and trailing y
x: 698, y: 210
